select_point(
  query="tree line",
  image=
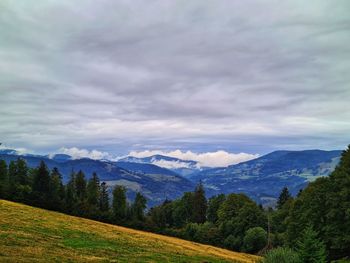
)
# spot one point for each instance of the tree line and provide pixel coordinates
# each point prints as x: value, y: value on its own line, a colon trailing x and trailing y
x: 314, y: 226
x: 90, y: 198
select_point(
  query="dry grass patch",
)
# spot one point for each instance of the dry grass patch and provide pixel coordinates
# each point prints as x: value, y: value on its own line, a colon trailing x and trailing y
x: 30, y: 234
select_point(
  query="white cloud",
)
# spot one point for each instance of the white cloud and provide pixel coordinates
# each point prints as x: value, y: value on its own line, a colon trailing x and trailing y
x: 172, y: 164
x: 17, y: 150
x: 209, y: 159
x: 77, y: 153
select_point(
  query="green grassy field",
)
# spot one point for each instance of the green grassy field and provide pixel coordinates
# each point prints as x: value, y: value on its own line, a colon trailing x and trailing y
x: 29, y: 234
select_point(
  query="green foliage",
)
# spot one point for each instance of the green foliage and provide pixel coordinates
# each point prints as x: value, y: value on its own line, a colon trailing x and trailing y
x: 281, y: 255
x: 93, y: 191
x: 199, y: 211
x: 80, y: 186
x: 41, y: 186
x: 325, y: 204
x: 233, y: 242
x: 119, y: 203
x: 310, y: 248
x: 19, y: 187
x: 56, y: 191
x: 4, y: 179
x: 254, y: 240
x: 237, y: 214
x: 70, y: 194
x: 233, y: 221
x: 283, y: 197
x: 207, y: 233
x: 232, y: 205
x: 214, y: 204
x: 104, y: 198
x: 138, y: 207
x: 162, y: 216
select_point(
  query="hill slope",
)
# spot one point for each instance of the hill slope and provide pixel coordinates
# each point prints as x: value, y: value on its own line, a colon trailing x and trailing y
x: 33, y: 234
x: 264, y: 177
x: 183, y: 167
x: 154, y: 182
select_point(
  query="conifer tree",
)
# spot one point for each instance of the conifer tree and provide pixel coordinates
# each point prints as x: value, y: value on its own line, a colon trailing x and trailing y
x: 119, y: 203
x: 93, y: 191
x: 4, y: 180
x: 138, y: 207
x: 199, y: 205
x: 56, y: 192
x: 19, y: 188
x: 310, y: 248
x: 104, y: 198
x: 41, y: 186
x: 81, y: 207
x: 283, y: 197
x: 80, y: 186
x: 70, y: 194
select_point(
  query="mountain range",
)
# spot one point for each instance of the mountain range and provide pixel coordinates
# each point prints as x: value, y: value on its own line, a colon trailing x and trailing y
x: 162, y: 177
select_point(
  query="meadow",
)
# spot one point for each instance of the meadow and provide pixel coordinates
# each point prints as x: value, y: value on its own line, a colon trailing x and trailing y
x: 29, y: 234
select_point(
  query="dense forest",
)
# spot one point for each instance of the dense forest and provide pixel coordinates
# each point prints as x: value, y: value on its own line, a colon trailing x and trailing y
x: 314, y: 226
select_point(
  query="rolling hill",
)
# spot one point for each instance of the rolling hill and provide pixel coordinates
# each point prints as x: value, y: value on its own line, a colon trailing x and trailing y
x: 154, y: 182
x: 263, y: 178
x: 184, y: 168
x: 29, y: 234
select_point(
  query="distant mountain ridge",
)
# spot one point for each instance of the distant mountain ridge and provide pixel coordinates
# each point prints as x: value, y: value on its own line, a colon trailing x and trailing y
x: 179, y: 166
x: 154, y: 182
x: 264, y: 177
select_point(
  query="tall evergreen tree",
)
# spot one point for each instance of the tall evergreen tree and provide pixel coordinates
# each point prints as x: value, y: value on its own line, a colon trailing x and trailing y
x: 41, y: 186
x: 70, y: 194
x: 310, y: 248
x: 4, y: 180
x: 80, y: 185
x: 199, y: 205
x: 93, y: 191
x: 119, y: 203
x: 56, y: 190
x: 283, y: 197
x: 104, y: 198
x: 138, y: 207
x: 19, y: 188
x: 81, y: 207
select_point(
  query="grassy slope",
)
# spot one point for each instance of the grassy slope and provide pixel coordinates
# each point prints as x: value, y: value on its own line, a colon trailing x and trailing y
x: 29, y: 234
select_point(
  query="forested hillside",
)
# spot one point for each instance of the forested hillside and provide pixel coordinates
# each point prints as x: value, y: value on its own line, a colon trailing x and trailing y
x: 316, y: 223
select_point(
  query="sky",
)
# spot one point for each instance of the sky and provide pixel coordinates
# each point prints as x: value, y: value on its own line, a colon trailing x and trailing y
x: 230, y: 80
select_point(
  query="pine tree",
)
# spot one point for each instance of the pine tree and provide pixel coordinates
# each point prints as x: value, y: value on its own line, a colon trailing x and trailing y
x: 283, y: 197
x: 93, y: 191
x: 56, y: 191
x: 138, y: 207
x: 22, y: 172
x: 119, y: 203
x: 19, y: 188
x: 4, y: 180
x: 310, y: 248
x: 70, y: 194
x: 41, y: 186
x: 104, y: 198
x: 81, y: 207
x: 199, y: 205
x: 80, y: 186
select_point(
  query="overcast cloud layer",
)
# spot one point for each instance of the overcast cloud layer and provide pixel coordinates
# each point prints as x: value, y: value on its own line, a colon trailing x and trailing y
x: 120, y: 76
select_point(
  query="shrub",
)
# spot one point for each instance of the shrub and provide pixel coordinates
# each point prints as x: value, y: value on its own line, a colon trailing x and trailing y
x: 281, y: 255
x: 254, y: 240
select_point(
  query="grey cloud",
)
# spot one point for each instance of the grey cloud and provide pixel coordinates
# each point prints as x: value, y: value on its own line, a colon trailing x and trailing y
x: 190, y: 72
